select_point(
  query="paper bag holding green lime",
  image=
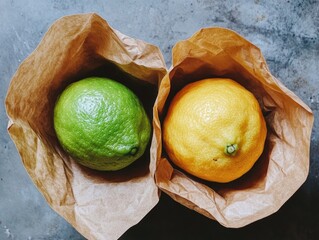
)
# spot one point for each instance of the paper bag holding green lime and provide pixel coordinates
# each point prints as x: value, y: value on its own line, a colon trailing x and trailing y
x: 99, y: 204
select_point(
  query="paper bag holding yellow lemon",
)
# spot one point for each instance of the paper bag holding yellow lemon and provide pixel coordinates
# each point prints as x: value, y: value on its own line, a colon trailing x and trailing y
x: 199, y: 127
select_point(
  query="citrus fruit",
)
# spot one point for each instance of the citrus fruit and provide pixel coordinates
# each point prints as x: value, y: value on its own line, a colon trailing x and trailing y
x: 214, y: 129
x: 101, y: 123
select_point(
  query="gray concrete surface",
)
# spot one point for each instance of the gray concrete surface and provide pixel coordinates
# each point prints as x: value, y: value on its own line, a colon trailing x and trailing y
x: 287, y: 33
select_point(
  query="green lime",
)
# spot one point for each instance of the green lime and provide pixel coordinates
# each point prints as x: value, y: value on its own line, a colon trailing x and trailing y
x: 101, y: 123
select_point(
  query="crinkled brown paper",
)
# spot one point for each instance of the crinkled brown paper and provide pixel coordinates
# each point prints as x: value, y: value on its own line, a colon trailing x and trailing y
x: 103, y: 205
x: 284, y: 164
x: 99, y: 205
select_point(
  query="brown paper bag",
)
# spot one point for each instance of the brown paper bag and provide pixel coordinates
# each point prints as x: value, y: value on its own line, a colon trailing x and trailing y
x: 283, y: 166
x: 100, y: 205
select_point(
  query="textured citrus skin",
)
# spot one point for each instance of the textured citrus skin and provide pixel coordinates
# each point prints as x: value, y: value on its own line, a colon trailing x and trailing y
x: 207, y: 116
x: 101, y: 123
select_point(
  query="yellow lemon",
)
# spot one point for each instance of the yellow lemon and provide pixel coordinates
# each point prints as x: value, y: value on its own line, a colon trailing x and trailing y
x: 214, y: 129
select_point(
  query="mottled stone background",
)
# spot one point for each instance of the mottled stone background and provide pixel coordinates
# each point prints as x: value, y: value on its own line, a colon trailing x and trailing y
x: 287, y: 32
